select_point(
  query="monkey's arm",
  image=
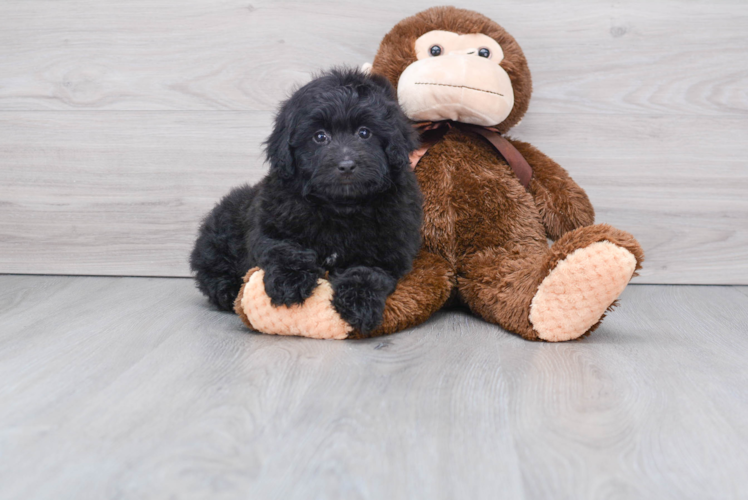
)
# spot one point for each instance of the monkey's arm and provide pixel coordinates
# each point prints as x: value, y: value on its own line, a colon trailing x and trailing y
x: 563, y: 205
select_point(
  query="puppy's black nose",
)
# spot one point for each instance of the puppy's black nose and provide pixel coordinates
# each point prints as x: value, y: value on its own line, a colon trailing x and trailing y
x: 346, y: 166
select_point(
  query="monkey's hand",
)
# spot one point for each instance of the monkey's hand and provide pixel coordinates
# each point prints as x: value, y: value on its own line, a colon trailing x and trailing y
x: 315, y: 318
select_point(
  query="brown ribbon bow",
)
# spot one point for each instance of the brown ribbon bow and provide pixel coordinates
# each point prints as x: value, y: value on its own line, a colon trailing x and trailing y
x: 513, y: 157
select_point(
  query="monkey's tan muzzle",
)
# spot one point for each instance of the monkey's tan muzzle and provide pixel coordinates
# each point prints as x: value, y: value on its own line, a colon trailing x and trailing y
x: 456, y: 87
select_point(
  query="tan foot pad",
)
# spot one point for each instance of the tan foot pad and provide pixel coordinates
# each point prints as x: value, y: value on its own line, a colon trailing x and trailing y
x: 575, y: 295
x: 315, y: 318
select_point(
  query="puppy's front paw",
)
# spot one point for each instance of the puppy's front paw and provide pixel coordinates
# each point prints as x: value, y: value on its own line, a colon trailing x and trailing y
x: 288, y: 286
x: 359, y: 296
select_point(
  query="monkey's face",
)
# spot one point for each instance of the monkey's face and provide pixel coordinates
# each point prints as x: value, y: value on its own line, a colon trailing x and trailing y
x: 456, y: 77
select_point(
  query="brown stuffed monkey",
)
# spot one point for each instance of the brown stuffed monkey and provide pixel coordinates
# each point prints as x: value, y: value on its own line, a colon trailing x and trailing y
x: 489, y: 203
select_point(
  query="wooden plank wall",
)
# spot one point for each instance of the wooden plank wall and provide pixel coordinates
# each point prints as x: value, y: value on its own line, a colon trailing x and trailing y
x: 122, y: 122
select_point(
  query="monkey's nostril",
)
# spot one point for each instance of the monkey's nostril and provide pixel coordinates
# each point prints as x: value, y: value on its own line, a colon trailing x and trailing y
x: 346, y: 166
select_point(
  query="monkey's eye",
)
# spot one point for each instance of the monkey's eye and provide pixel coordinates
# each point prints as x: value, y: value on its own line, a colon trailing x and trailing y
x: 320, y: 137
x: 484, y: 52
x: 435, y: 50
x: 364, y: 133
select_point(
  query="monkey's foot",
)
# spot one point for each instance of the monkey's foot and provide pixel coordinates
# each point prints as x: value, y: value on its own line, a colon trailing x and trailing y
x: 575, y: 295
x: 315, y: 318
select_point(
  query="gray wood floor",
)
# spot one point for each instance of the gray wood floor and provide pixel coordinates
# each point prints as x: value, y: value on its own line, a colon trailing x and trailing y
x: 132, y: 388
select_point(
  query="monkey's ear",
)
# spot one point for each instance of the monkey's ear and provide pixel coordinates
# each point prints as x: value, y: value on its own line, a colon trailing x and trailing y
x: 278, y: 146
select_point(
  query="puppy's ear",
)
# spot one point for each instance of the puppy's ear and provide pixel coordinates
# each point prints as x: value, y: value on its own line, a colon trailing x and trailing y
x: 403, y: 137
x: 402, y: 141
x: 278, y: 145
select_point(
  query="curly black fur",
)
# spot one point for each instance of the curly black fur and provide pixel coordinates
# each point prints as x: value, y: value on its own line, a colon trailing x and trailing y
x: 336, y: 200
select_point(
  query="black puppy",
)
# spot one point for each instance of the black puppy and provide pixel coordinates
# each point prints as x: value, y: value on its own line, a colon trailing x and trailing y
x: 340, y: 197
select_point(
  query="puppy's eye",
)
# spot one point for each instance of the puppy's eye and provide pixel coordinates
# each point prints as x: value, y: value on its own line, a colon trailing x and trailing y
x: 484, y: 52
x: 435, y: 50
x: 364, y: 133
x: 320, y: 137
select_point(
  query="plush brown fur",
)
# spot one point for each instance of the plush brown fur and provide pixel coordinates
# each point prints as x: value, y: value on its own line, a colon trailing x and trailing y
x: 419, y: 294
x: 484, y: 233
x: 562, y: 204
